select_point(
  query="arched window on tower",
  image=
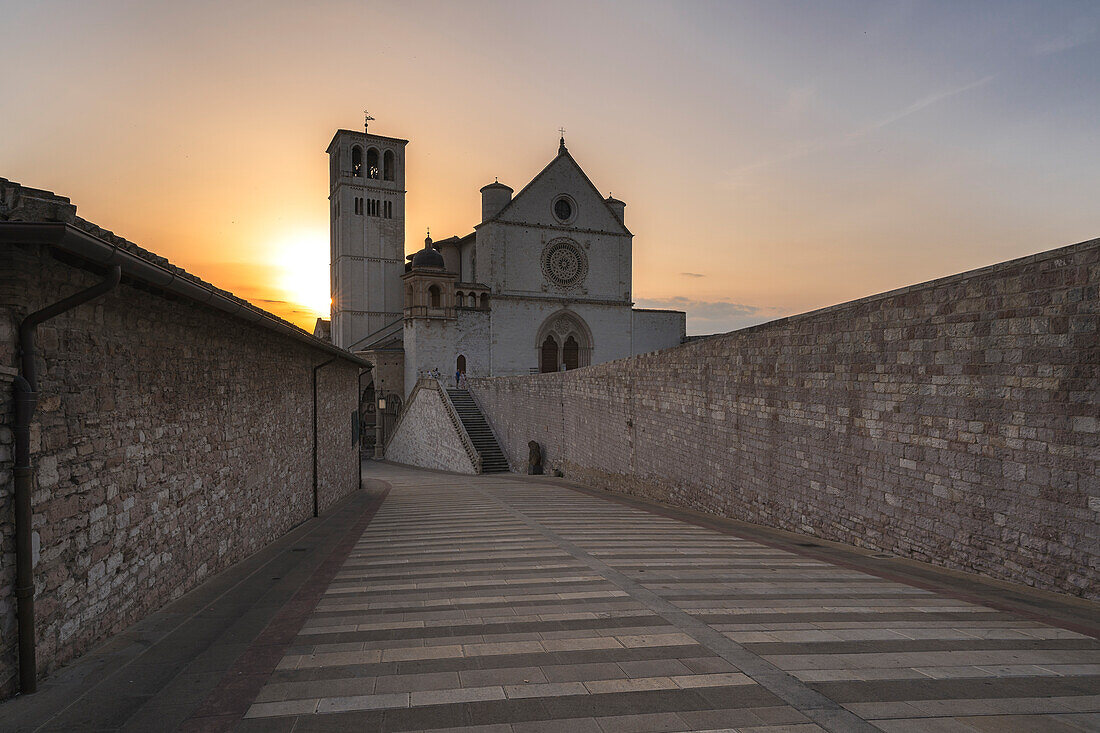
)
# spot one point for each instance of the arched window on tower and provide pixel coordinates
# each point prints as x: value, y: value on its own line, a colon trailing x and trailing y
x: 434, y: 296
x: 460, y: 299
x: 548, y: 361
x: 388, y: 165
x: 372, y: 163
x: 356, y: 161
x: 473, y: 300
x: 570, y: 353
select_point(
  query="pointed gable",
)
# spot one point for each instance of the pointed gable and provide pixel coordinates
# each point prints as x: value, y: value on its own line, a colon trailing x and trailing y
x: 562, y: 177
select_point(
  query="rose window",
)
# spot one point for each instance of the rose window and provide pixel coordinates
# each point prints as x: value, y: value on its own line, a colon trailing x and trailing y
x: 564, y: 263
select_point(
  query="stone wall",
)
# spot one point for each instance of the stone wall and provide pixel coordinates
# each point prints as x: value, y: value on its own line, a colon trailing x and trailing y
x: 170, y: 441
x: 425, y: 435
x: 955, y: 422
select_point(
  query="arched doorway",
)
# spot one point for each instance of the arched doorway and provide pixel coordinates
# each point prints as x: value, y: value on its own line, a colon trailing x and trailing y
x: 564, y: 339
x: 570, y: 353
x: 548, y: 359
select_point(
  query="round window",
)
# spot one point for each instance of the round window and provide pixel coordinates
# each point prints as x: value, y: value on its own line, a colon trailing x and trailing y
x: 563, y: 209
x: 564, y: 263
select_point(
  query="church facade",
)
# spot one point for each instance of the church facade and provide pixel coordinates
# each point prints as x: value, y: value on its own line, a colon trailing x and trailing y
x: 542, y: 283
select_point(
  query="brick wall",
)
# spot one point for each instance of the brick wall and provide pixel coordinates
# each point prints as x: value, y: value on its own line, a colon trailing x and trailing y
x: 170, y: 441
x: 955, y: 422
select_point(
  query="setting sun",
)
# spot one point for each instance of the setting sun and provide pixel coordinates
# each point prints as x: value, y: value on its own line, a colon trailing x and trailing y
x: 302, y: 273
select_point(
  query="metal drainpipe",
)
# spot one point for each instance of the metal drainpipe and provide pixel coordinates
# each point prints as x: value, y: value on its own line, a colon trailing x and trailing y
x: 359, y: 417
x: 26, y: 396
x: 315, y: 370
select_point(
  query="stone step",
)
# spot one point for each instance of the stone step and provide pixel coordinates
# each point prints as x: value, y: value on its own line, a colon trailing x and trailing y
x: 481, y: 435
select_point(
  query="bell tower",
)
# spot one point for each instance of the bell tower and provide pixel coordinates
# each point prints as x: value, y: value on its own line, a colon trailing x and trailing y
x: 367, y: 233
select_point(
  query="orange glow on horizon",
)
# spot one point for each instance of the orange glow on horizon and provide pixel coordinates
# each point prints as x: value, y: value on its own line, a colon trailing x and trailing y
x: 769, y: 165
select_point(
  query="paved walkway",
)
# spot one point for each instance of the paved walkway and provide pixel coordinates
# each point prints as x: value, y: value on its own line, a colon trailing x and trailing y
x: 504, y: 604
x: 512, y: 606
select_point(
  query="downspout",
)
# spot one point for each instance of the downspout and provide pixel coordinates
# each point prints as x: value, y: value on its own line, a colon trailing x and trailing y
x: 26, y: 396
x: 315, y: 370
x: 359, y: 432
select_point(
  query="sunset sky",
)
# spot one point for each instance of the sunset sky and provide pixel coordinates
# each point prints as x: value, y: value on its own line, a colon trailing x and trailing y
x: 774, y: 157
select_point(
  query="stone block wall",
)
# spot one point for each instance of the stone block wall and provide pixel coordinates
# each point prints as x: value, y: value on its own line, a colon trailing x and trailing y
x: 425, y: 435
x: 955, y: 422
x: 170, y: 441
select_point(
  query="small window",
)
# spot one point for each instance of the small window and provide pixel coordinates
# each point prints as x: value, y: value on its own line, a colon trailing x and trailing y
x: 389, y: 209
x: 564, y: 210
x: 356, y: 161
x: 434, y: 296
x: 485, y: 301
x: 372, y: 164
x: 388, y: 165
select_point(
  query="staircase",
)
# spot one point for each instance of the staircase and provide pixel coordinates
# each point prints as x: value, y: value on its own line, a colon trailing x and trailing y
x: 492, y: 457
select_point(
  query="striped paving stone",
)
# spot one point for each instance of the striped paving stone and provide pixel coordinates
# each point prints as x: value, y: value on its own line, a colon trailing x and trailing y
x: 496, y: 604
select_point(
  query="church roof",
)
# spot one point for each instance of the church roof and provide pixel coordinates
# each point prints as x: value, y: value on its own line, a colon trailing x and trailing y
x: 563, y: 152
x: 363, y: 134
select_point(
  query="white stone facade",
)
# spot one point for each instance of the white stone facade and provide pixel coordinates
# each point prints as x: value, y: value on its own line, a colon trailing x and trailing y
x: 542, y: 284
x: 367, y: 233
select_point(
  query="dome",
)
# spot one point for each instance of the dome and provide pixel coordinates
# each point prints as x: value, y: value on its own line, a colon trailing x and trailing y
x: 428, y: 257
x: 496, y: 186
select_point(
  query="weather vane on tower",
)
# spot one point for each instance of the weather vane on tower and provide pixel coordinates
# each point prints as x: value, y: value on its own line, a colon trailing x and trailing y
x: 366, y: 119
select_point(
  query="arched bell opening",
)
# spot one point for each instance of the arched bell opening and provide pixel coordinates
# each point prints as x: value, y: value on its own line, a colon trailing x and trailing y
x: 356, y: 160
x: 388, y: 166
x: 372, y: 163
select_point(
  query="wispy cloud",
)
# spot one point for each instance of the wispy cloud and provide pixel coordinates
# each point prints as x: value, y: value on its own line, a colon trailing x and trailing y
x: 809, y: 147
x: 692, y: 274
x: 917, y: 106
x: 1081, y: 34
x: 714, y: 316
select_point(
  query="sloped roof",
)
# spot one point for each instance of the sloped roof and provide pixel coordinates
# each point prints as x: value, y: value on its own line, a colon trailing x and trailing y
x: 34, y: 215
x: 562, y: 152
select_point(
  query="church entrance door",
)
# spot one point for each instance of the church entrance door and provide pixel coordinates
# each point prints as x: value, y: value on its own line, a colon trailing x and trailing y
x: 549, y: 356
x: 564, y: 340
x: 571, y: 353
